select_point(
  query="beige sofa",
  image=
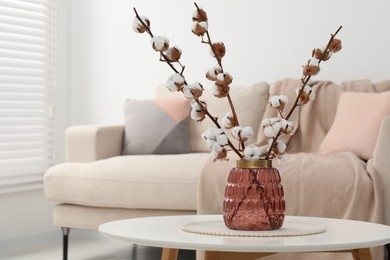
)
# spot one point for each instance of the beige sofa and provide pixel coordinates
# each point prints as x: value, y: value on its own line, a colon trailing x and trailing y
x: 97, y: 184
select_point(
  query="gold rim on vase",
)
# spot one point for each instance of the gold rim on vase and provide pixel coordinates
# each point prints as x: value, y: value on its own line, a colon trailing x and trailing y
x: 254, y: 163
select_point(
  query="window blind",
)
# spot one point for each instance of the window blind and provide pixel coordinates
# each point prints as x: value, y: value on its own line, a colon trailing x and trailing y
x: 27, y: 84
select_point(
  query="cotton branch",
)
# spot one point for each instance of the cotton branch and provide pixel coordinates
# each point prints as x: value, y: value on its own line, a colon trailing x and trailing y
x: 164, y: 58
x: 219, y: 61
x: 305, y: 79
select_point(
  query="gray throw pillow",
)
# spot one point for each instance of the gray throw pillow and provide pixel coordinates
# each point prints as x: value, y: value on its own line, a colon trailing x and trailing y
x: 158, y: 126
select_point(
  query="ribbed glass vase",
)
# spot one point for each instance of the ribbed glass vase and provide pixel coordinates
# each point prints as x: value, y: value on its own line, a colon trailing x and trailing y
x: 254, y: 197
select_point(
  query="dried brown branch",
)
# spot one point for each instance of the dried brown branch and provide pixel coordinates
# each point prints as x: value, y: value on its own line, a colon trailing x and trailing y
x: 163, y: 58
x: 219, y: 61
x: 304, y: 81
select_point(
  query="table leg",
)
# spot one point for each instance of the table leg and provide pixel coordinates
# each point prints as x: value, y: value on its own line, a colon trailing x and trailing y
x: 169, y: 254
x: 362, y: 254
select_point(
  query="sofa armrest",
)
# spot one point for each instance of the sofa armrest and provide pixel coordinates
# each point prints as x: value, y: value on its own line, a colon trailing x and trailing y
x: 86, y: 143
x: 381, y: 163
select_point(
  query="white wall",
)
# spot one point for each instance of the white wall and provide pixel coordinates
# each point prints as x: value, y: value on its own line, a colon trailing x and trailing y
x: 266, y: 40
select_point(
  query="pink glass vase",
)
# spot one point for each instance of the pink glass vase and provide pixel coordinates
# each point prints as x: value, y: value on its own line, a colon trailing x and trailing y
x: 254, y: 197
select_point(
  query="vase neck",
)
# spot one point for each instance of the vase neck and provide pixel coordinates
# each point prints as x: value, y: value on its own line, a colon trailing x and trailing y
x: 254, y: 164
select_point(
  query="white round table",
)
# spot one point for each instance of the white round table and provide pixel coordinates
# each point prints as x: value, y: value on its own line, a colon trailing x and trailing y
x: 341, y: 235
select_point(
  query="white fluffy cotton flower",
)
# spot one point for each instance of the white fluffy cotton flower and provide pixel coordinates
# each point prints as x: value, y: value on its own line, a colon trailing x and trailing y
x: 175, y: 82
x: 308, y: 94
x: 193, y: 91
x: 278, y: 102
x: 212, y: 133
x: 253, y: 153
x: 218, y: 152
x: 242, y: 133
x: 246, y: 132
x: 287, y: 126
x: 224, y: 78
x: 160, y: 43
x: 199, y: 28
x: 198, y: 112
x: 228, y: 120
x: 313, y: 62
x: 138, y: 27
x: 216, y: 140
x: 220, y: 91
x: 212, y: 73
x: 222, y: 139
x: 308, y: 90
x: 271, y: 126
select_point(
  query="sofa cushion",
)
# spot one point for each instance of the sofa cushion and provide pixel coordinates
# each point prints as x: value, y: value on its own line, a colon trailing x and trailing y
x: 357, y: 123
x: 158, y: 126
x: 139, y: 182
x: 249, y: 102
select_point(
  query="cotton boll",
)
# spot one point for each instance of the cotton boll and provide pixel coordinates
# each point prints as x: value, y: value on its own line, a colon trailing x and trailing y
x: 178, y: 79
x: 236, y: 131
x: 220, y: 91
x: 199, y: 15
x: 171, y: 86
x: 283, y: 99
x: 160, y: 43
x: 253, y: 153
x: 335, y: 45
x: 173, y: 54
x: 287, y: 126
x: 212, y: 73
x: 222, y: 140
x: 274, y: 101
x: 250, y: 154
x: 209, y: 134
x: 138, y: 27
x: 175, y: 82
x: 196, y: 89
x: 218, y: 50
x: 313, y: 62
x: 197, y: 116
x: 219, y: 154
x: 187, y: 92
x: 210, y: 143
x: 269, y: 132
x: 246, y: 132
x: 216, y: 131
x: 224, y: 79
x: 199, y: 28
x: 265, y: 122
x: 228, y: 120
x: 307, y: 94
x: 198, y: 112
x: 311, y: 68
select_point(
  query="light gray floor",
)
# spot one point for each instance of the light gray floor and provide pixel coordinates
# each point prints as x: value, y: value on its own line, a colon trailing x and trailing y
x: 96, y: 248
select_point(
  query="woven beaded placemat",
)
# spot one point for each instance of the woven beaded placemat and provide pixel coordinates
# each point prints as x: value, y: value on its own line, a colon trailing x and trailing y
x: 218, y: 228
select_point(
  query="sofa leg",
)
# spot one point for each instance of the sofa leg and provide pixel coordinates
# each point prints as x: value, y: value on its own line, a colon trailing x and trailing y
x: 65, y: 237
x: 387, y: 252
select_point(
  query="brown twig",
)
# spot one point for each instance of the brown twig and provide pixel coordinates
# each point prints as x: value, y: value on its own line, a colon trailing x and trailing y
x: 212, y: 118
x: 219, y: 61
x: 304, y: 81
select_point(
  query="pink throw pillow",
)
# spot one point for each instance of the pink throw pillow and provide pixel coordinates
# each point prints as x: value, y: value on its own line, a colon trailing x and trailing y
x: 357, y: 123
